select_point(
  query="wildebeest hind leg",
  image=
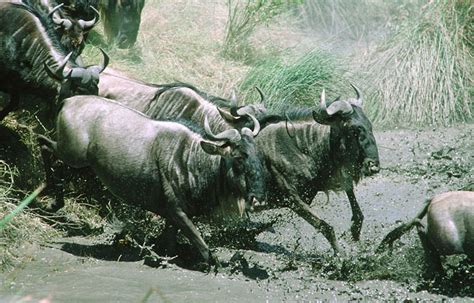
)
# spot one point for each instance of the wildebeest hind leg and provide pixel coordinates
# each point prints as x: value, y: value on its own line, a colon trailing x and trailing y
x: 432, y: 257
x: 304, y: 211
x: 357, y: 215
x: 54, y: 178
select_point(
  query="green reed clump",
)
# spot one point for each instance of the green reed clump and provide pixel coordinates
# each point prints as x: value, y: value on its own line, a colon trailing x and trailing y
x: 295, y: 82
x: 423, y: 75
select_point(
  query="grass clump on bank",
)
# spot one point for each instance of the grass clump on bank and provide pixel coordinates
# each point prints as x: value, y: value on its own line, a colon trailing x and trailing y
x: 295, y: 82
x: 23, y: 229
x: 423, y: 75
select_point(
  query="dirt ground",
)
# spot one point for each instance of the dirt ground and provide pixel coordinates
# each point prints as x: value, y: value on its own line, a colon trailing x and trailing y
x: 289, y: 262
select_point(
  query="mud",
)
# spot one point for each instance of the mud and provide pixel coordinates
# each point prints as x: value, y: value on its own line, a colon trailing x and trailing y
x: 287, y: 261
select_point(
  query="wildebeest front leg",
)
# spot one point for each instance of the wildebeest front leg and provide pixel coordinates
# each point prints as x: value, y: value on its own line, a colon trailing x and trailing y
x: 181, y: 220
x: 357, y: 215
x: 54, y: 178
x: 304, y: 211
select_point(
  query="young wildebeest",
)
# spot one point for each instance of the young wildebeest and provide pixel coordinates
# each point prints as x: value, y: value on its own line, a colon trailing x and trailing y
x: 163, y: 167
x: 304, y: 157
x: 32, y: 61
x: 449, y: 230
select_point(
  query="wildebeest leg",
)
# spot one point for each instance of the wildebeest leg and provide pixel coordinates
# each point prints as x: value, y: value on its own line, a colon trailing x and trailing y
x: 304, y: 211
x: 357, y: 215
x: 11, y: 106
x: 432, y: 257
x: 181, y: 221
x: 54, y: 178
x: 168, y: 239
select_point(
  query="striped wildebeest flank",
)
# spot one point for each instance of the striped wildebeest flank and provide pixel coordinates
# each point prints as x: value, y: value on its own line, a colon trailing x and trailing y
x: 162, y: 166
x: 71, y: 21
x: 449, y: 229
x: 330, y: 148
x: 121, y: 19
x: 33, y: 62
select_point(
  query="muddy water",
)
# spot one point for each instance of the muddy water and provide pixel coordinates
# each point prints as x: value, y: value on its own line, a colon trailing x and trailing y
x: 289, y: 261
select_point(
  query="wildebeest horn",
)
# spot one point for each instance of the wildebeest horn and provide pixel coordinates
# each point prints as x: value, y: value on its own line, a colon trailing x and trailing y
x: 358, y: 102
x: 322, y: 99
x: 59, y: 74
x: 335, y: 107
x: 233, y: 99
x: 54, y: 15
x: 88, y: 25
x: 100, y: 68
x: 231, y: 135
x: 256, y: 125
x: 288, y: 122
x: 262, y: 96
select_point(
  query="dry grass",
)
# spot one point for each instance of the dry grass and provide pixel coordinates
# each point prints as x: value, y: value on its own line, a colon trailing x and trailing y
x: 24, y: 229
x: 424, y: 74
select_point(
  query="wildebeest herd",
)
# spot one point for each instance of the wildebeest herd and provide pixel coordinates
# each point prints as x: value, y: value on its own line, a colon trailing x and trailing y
x: 179, y: 152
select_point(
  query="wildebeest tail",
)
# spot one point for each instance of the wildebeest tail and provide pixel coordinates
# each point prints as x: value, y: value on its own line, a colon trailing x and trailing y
x: 399, y: 231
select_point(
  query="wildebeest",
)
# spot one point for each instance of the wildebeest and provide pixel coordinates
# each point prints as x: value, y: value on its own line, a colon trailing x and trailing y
x: 303, y: 157
x: 177, y: 100
x: 163, y: 167
x: 449, y: 229
x: 121, y: 19
x: 70, y: 24
x: 32, y: 61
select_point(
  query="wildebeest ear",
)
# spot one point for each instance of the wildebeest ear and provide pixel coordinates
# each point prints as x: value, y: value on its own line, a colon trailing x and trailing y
x: 215, y: 149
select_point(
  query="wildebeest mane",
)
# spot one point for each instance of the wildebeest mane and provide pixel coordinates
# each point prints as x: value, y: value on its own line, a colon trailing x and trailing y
x: 46, y: 22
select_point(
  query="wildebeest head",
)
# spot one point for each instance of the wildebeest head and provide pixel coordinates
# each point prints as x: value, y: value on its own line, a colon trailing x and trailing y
x: 77, y: 80
x: 121, y: 20
x: 351, y: 132
x: 239, y: 115
x: 72, y: 30
x: 242, y: 161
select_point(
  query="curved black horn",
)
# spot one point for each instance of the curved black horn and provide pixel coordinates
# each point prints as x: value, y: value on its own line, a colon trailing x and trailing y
x: 101, y: 67
x: 59, y: 73
x: 231, y: 135
x: 288, y: 121
x: 359, y: 100
x: 54, y: 15
x: 88, y: 25
x: 262, y: 96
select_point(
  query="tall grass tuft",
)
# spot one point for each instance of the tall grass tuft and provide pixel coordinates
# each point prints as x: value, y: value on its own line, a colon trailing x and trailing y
x: 295, y: 82
x: 423, y: 75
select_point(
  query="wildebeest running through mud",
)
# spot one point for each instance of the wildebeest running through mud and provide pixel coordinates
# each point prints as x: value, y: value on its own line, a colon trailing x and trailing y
x: 163, y: 167
x: 449, y: 229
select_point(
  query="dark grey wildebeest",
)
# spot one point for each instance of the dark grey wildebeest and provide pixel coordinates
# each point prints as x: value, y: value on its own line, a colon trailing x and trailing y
x: 449, y: 229
x: 121, y: 20
x: 163, y: 167
x: 32, y: 61
x: 71, y: 26
x: 330, y: 148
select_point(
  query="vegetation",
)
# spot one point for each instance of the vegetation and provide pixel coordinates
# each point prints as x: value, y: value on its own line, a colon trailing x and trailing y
x: 423, y: 75
x: 295, y: 82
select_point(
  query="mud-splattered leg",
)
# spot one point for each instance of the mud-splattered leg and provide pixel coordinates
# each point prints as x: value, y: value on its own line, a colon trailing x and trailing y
x: 357, y: 215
